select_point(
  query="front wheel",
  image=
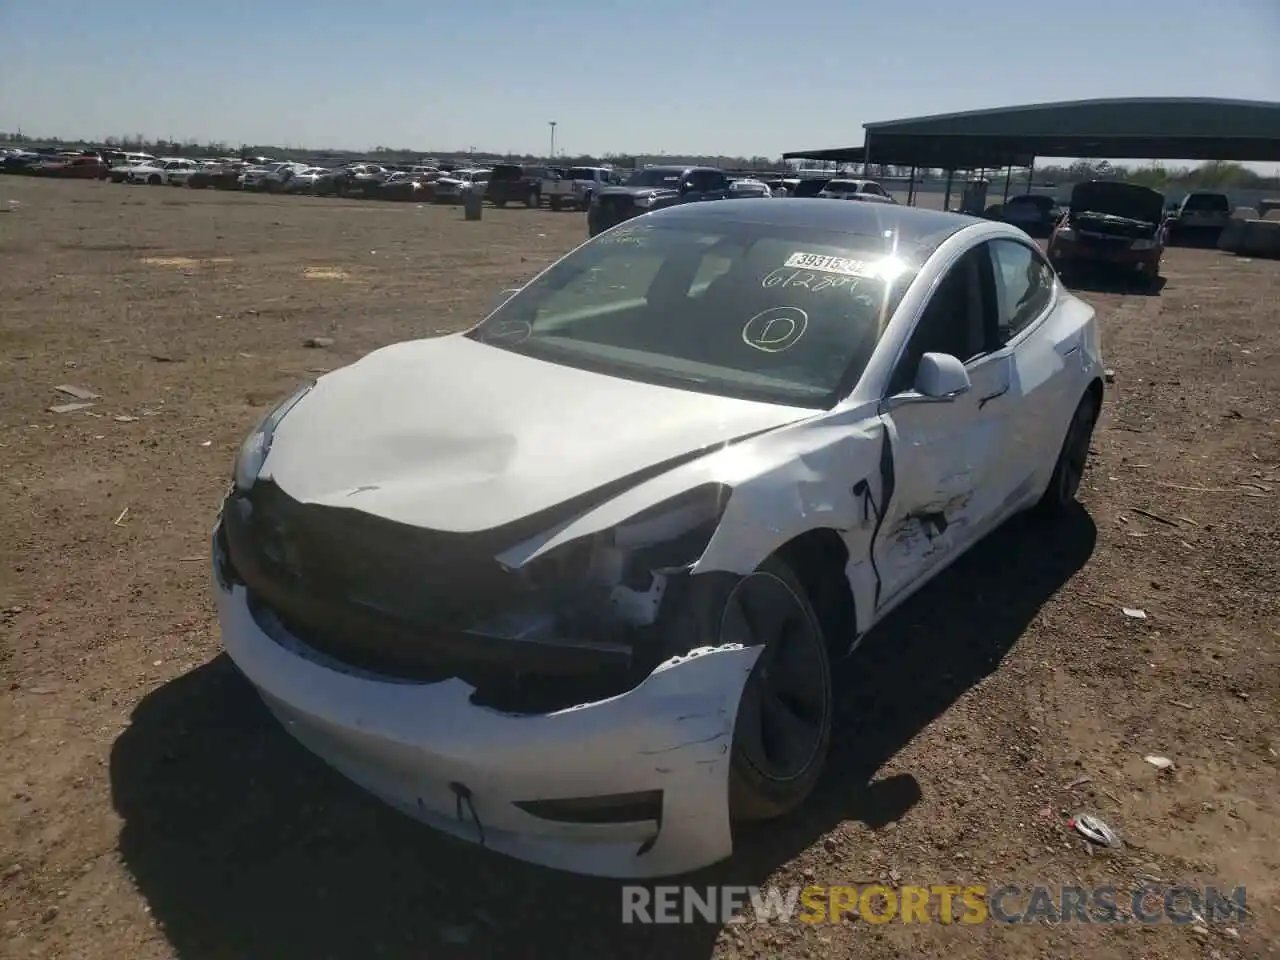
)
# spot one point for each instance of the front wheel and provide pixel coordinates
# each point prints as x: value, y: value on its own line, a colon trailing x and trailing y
x: 1068, y: 471
x: 532, y: 200
x: 154, y: 180
x: 783, y: 728
x: 557, y: 203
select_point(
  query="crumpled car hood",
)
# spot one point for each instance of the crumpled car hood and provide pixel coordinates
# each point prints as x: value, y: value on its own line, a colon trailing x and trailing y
x: 1127, y: 200
x: 455, y: 435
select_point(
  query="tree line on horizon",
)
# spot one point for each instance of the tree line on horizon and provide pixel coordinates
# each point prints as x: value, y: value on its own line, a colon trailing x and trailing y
x: 1219, y: 174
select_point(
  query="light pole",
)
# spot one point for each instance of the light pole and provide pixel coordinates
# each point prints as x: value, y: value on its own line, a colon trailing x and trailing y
x: 552, y: 125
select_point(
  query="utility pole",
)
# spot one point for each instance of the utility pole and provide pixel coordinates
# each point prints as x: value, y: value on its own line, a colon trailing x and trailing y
x: 552, y: 125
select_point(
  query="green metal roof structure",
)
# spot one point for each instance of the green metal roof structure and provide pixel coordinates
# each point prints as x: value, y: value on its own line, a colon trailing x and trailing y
x: 1156, y: 128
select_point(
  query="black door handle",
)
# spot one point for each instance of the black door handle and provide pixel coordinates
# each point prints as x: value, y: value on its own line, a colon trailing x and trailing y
x: 987, y: 399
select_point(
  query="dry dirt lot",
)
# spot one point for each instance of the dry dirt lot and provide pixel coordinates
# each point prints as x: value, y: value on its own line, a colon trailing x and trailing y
x: 151, y: 808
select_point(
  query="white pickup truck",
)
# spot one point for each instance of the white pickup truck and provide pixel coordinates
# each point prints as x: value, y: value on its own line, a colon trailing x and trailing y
x: 577, y: 186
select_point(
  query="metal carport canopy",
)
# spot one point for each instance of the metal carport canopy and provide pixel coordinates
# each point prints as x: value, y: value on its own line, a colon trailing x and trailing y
x: 1155, y: 128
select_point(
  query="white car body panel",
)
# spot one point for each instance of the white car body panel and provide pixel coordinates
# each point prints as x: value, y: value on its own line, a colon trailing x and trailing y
x: 872, y: 470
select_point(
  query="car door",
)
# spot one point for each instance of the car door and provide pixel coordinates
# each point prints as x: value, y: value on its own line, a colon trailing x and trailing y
x: 1041, y: 353
x: 948, y: 455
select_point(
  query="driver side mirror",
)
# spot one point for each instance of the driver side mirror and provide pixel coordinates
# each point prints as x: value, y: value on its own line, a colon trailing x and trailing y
x: 686, y: 186
x: 941, y: 376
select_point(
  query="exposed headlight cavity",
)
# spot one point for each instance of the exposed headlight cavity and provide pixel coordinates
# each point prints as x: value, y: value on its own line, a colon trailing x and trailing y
x: 256, y: 446
x: 663, y: 538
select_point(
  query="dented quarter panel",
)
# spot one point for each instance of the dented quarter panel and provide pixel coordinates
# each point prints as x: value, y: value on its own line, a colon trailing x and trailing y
x: 405, y: 742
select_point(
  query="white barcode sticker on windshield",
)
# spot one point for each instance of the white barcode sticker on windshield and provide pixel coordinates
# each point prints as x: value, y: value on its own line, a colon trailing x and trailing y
x: 825, y: 264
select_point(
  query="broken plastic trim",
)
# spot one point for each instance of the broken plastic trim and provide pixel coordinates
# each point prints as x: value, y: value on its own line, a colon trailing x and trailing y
x: 664, y: 537
x: 610, y: 808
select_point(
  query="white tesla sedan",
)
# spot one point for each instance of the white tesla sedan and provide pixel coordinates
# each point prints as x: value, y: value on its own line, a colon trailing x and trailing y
x: 569, y: 584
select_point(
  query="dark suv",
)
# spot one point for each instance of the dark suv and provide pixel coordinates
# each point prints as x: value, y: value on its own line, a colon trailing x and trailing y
x: 513, y: 183
x: 651, y: 189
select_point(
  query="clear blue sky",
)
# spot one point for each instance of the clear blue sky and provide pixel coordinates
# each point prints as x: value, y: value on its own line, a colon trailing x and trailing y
x: 705, y: 76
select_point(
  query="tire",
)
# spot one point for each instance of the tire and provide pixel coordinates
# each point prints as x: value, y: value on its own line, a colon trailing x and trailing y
x: 557, y: 203
x: 154, y: 180
x: 499, y: 203
x: 1073, y: 457
x: 778, y: 752
x: 585, y: 202
x: 533, y: 200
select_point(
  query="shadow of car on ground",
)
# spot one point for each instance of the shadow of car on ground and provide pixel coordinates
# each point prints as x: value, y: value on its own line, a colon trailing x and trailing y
x: 246, y: 845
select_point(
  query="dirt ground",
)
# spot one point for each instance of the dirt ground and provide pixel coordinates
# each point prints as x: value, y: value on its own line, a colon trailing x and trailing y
x: 151, y: 808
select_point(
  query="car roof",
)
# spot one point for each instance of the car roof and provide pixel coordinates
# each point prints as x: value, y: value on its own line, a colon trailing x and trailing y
x: 911, y: 224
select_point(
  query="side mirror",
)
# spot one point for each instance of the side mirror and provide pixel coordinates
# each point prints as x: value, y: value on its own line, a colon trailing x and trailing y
x: 941, y: 376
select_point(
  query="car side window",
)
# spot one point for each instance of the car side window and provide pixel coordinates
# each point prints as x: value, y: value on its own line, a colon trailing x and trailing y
x: 952, y: 322
x: 1024, y: 286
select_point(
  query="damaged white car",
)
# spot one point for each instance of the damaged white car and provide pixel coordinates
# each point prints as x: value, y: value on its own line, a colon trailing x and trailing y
x: 569, y: 584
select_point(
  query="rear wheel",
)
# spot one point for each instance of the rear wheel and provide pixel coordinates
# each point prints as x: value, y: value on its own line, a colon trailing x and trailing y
x: 557, y: 203
x: 154, y: 180
x: 1069, y: 469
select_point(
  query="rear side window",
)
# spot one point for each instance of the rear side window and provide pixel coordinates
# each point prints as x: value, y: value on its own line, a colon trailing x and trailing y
x: 1024, y: 286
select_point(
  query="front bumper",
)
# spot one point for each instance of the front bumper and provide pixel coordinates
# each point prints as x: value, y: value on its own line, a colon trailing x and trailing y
x: 601, y: 218
x: 421, y: 746
x: 1120, y: 254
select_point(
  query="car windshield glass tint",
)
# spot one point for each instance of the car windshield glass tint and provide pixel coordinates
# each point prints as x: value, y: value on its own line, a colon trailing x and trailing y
x: 581, y: 173
x: 654, y: 178
x: 780, y: 314
x: 841, y: 186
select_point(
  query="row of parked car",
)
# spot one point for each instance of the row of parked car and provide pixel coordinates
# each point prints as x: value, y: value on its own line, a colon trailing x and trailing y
x: 429, y: 181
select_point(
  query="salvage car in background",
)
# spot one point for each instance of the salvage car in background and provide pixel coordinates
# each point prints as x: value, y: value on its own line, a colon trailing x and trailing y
x: 74, y: 167
x: 843, y: 189
x: 654, y: 188
x: 157, y: 172
x: 1113, y: 224
x: 451, y: 187
x: 514, y: 183
x: 569, y: 584
x: 1035, y: 213
x: 1200, y: 215
x: 743, y: 187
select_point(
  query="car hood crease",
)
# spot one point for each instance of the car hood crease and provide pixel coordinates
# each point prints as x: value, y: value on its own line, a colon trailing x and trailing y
x: 455, y: 435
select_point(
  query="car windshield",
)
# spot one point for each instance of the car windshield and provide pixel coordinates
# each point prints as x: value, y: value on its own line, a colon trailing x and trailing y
x: 779, y: 314
x: 654, y: 178
x: 1207, y: 202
